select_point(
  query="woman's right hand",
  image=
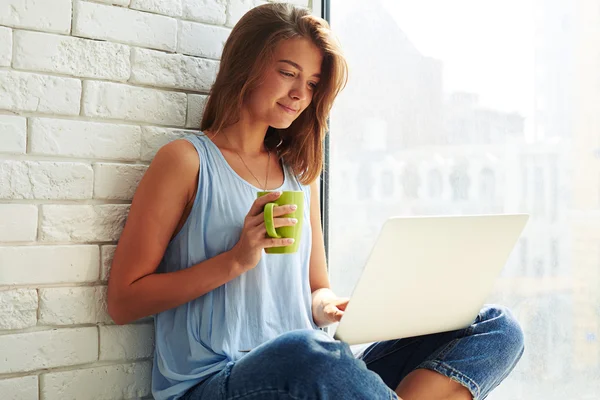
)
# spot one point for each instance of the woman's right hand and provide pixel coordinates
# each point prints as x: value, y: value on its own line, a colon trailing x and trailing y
x: 253, y: 239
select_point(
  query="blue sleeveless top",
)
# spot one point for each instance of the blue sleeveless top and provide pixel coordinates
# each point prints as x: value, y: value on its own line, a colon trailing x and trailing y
x: 201, y: 337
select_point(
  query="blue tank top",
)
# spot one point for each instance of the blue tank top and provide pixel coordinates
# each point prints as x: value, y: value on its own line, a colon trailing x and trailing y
x: 201, y: 337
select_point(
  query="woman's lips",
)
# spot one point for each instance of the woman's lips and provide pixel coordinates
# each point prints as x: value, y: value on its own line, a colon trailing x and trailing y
x: 287, y: 109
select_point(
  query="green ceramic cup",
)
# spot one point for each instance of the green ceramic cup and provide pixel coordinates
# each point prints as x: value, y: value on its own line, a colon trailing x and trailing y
x: 295, y: 231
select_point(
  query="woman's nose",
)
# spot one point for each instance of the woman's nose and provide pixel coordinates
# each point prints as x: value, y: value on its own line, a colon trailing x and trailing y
x: 298, y: 93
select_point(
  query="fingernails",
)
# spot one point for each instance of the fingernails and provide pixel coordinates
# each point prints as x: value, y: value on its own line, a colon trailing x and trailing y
x: 293, y: 207
x: 294, y: 220
x: 290, y: 241
x: 276, y: 194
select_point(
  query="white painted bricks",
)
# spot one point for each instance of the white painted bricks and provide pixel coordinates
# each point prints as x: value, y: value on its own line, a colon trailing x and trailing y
x: 41, y: 15
x: 209, y: 11
x: 22, y: 91
x: 18, y: 308
x: 13, y: 134
x: 84, y: 139
x: 18, y: 222
x: 156, y: 68
x: 126, y: 26
x: 123, y: 381
x: 47, y: 349
x: 35, y: 51
x: 107, y: 254
x: 172, y: 7
x: 24, y: 388
x: 128, y: 342
x: 154, y: 138
x: 117, y: 181
x: 73, y: 305
x: 24, y: 265
x: 115, y: 2
x: 237, y: 8
x: 201, y: 40
x: 82, y: 223
x: 114, y: 101
x: 45, y: 180
x: 5, y: 46
x: 196, y: 105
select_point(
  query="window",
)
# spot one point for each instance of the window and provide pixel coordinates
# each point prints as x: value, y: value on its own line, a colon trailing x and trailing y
x: 410, y: 182
x: 435, y: 184
x: 554, y: 261
x: 523, y: 255
x: 439, y: 85
x: 460, y: 183
x: 538, y: 267
x: 487, y: 185
x: 538, y: 192
x: 387, y: 183
x: 364, y: 181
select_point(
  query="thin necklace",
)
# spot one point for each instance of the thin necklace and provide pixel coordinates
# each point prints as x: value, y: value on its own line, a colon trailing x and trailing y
x: 254, y: 176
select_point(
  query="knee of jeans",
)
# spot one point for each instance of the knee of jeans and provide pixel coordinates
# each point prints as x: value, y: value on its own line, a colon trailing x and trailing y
x: 306, y: 342
x: 506, y: 323
x: 312, y: 349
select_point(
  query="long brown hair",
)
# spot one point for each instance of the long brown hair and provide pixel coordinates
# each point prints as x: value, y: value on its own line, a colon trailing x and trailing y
x: 247, y: 53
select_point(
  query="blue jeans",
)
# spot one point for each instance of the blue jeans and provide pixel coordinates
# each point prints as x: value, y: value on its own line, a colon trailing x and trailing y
x: 309, y: 364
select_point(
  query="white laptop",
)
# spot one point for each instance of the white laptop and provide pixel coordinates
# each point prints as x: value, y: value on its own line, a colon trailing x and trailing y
x: 427, y: 275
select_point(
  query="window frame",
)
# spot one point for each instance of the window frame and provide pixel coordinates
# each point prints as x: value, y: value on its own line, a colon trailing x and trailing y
x: 325, y: 13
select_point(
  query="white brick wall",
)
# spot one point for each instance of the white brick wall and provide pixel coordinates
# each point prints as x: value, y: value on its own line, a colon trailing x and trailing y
x: 36, y: 51
x: 32, y: 265
x: 13, y: 134
x: 18, y: 308
x: 156, y: 68
x: 45, y: 180
x: 129, y: 342
x: 18, y: 222
x: 22, y: 91
x: 126, y: 26
x: 113, y: 101
x: 30, y: 351
x: 5, y: 46
x: 126, y: 381
x: 89, y: 91
x: 38, y: 15
x: 25, y: 388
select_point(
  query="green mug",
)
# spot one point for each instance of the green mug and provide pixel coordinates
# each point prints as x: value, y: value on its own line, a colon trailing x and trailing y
x: 295, y: 231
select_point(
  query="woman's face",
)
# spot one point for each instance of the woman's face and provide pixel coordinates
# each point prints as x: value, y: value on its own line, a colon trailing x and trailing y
x: 288, y: 85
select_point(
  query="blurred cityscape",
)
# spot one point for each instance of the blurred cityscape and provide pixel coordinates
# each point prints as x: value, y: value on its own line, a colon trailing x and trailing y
x: 402, y: 145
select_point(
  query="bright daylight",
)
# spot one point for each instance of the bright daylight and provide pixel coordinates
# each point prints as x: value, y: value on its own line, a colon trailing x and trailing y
x: 475, y: 107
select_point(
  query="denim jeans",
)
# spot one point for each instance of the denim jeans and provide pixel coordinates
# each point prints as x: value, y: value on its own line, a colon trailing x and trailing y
x: 309, y: 364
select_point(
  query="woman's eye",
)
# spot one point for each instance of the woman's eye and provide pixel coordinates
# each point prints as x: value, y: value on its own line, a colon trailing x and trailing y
x: 313, y: 85
x: 287, y: 74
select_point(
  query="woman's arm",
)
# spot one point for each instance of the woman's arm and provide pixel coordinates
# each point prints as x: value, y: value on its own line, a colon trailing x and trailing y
x: 327, y: 308
x: 134, y: 289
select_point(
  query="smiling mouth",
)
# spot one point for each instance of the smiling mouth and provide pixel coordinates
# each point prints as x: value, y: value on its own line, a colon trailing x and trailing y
x: 289, y: 110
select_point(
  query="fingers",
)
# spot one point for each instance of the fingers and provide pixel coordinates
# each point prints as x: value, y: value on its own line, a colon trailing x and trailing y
x: 259, y: 204
x: 272, y: 242
x: 336, y: 315
x: 333, y: 312
x: 255, y: 220
x: 343, y: 302
x: 279, y: 222
x: 258, y: 223
x: 278, y: 211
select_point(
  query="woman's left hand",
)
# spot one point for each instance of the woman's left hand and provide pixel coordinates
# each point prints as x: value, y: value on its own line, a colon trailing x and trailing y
x: 333, y: 308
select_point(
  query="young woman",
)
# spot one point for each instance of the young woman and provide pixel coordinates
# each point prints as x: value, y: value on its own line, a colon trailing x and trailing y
x: 233, y: 322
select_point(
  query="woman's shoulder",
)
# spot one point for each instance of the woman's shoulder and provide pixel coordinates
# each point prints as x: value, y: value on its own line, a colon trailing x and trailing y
x: 177, y: 160
x: 179, y: 152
